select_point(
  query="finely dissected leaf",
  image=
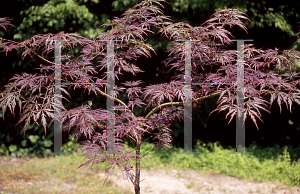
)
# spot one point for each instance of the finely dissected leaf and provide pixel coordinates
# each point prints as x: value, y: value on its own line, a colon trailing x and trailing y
x: 10, y: 101
x: 5, y: 22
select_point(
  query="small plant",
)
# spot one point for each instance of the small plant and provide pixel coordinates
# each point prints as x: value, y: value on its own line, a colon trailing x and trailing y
x: 190, y: 185
x: 258, y: 191
x: 34, y: 94
x: 179, y: 175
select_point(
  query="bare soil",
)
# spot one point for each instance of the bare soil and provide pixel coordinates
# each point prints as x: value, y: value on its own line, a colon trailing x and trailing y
x: 163, y: 181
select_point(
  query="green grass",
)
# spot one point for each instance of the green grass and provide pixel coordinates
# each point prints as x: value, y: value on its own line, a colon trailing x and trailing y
x: 57, y: 174
x: 50, y: 175
x: 267, y: 164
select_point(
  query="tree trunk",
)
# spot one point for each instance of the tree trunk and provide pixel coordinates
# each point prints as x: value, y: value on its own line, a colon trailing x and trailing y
x: 137, y: 170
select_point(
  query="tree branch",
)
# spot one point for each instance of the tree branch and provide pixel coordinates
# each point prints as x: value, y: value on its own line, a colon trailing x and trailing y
x: 115, y: 99
x: 149, y: 151
x: 178, y: 103
x: 40, y: 56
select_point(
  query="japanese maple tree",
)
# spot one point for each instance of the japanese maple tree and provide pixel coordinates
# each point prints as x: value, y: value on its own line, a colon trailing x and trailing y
x: 34, y: 93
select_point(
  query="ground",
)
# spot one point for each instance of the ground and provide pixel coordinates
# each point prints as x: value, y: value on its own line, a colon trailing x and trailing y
x: 172, y: 181
x: 163, y: 181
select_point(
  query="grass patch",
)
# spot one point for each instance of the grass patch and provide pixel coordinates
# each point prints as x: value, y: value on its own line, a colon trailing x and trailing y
x: 57, y: 174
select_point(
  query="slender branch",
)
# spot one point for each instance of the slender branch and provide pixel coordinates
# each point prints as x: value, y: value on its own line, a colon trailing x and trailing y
x: 178, y: 103
x: 115, y: 99
x: 181, y: 103
x: 131, y: 138
x: 149, y: 151
x: 40, y: 56
x: 147, y: 139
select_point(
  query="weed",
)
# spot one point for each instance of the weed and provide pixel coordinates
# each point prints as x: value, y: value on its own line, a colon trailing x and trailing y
x: 190, y: 185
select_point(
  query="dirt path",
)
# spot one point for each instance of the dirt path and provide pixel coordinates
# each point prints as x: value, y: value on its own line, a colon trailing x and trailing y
x: 159, y: 181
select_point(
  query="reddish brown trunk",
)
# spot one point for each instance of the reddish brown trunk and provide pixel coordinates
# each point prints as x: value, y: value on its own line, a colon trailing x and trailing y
x: 137, y: 170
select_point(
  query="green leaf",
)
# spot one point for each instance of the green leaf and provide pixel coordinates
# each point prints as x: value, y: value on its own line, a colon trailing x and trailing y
x: 50, y: 23
x: 48, y: 143
x: 24, y: 143
x: 12, y: 148
x: 3, y: 150
x: 291, y: 122
x: 33, y: 138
